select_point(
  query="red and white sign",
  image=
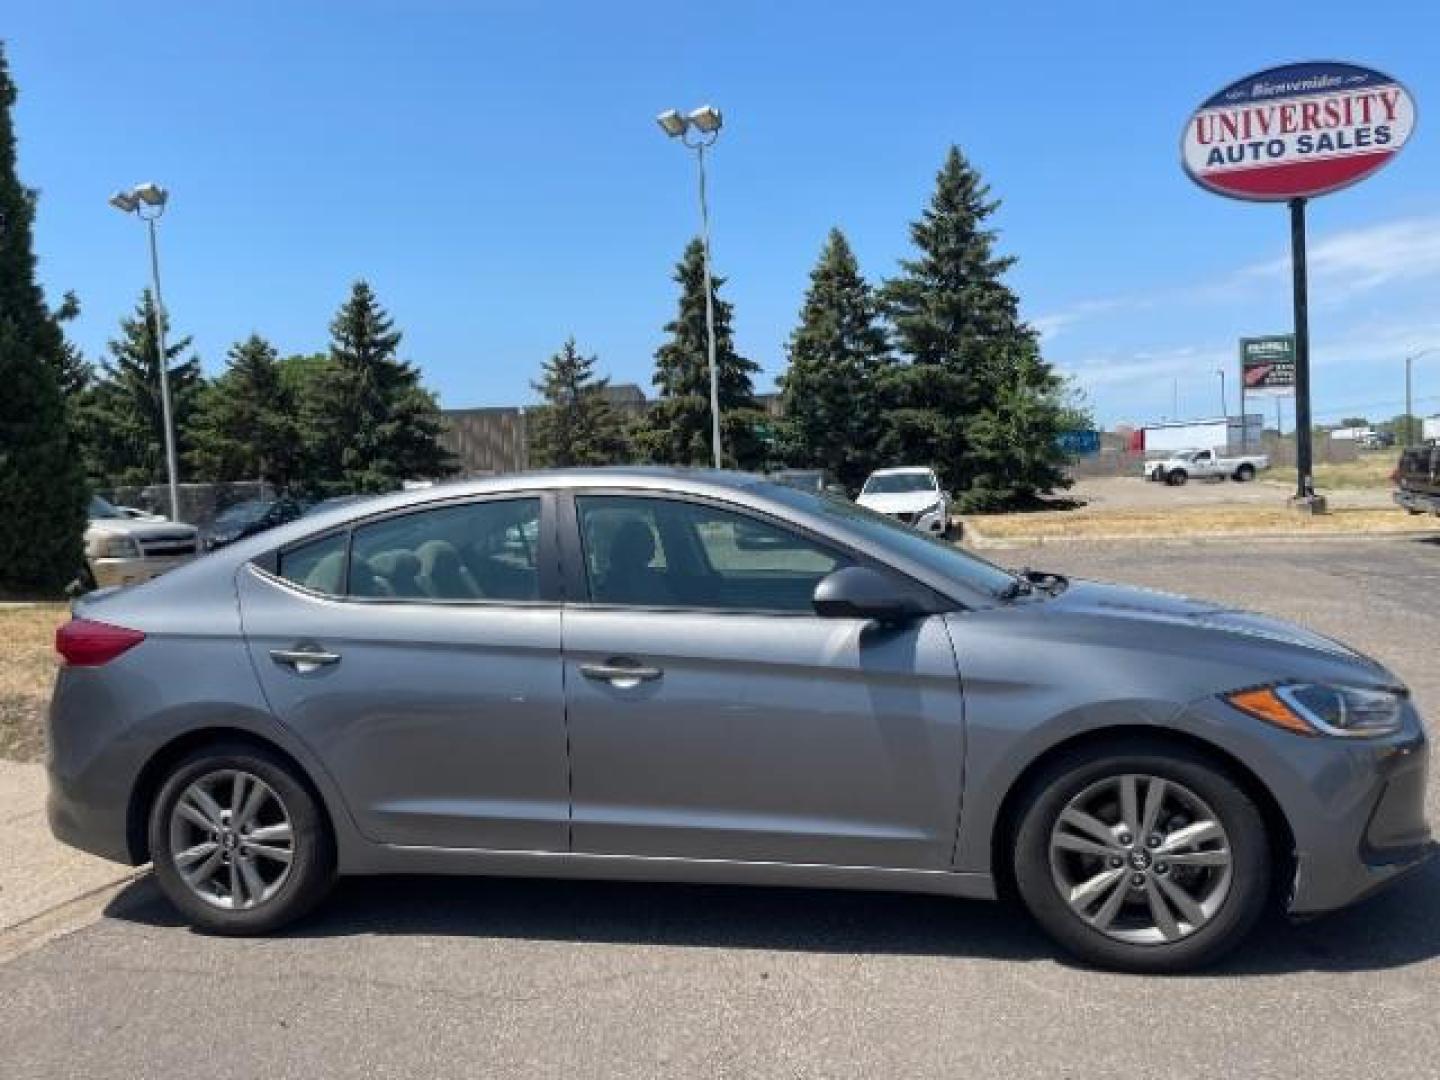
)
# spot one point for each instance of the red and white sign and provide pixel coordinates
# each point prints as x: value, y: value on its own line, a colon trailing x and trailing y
x: 1297, y: 131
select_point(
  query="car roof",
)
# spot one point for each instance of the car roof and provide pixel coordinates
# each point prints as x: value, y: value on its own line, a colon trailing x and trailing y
x: 903, y: 469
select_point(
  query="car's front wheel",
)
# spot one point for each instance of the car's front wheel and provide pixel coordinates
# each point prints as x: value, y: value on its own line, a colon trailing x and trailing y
x: 239, y: 843
x: 1147, y: 858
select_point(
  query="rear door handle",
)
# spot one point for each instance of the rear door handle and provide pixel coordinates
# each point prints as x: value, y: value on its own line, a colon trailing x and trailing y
x: 304, y: 660
x: 622, y: 675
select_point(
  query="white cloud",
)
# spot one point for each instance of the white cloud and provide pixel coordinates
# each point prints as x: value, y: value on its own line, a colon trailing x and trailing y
x: 1342, y: 265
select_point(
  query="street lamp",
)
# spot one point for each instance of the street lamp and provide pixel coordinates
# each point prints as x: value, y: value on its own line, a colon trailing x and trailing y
x: 1409, y: 413
x: 147, y: 202
x: 1224, y: 401
x: 706, y: 122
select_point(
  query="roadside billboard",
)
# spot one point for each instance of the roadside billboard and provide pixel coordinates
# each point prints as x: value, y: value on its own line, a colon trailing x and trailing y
x: 1297, y: 131
x: 1267, y: 365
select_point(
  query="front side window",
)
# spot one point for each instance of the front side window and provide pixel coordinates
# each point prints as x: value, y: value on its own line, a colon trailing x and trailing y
x: 663, y: 553
x: 474, y: 551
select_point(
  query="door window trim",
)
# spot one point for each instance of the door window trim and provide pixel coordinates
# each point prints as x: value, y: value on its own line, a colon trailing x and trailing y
x: 547, y: 558
x: 575, y: 570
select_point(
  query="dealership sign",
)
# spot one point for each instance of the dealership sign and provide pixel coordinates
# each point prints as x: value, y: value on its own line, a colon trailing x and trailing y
x: 1267, y: 365
x: 1296, y: 131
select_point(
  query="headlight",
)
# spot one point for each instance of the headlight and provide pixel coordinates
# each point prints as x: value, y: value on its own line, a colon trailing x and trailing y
x: 1311, y: 709
x: 114, y: 546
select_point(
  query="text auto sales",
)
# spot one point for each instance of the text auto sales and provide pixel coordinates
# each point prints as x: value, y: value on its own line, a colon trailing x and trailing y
x: 1342, y: 123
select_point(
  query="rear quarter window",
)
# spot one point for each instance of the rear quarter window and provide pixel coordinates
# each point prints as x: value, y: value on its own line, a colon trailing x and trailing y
x: 318, y: 565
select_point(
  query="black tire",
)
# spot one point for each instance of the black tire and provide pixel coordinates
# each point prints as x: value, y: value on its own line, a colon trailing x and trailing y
x: 1177, y: 477
x: 1073, y: 773
x: 312, y: 866
x: 1245, y: 473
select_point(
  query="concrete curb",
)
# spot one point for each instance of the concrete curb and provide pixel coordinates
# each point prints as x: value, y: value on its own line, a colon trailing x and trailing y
x: 978, y: 540
x: 64, y: 918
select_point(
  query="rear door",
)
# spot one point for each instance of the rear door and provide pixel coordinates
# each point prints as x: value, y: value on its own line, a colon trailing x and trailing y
x: 419, y: 655
x: 713, y: 715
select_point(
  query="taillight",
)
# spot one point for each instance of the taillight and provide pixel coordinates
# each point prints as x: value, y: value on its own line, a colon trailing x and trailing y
x: 86, y: 643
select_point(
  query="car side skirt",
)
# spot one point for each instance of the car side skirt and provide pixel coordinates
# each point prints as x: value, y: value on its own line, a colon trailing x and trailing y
x: 378, y: 859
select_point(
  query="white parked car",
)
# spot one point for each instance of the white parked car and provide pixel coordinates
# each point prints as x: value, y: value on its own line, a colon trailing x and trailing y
x: 1185, y: 465
x: 121, y: 550
x: 912, y: 494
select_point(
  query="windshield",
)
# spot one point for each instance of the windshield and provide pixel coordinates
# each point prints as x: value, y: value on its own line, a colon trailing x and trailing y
x: 243, y: 513
x: 99, y: 508
x: 891, y: 483
x: 937, y: 555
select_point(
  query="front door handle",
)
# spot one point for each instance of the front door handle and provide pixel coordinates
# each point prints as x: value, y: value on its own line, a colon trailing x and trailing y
x: 304, y: 660
x: 623, y: 675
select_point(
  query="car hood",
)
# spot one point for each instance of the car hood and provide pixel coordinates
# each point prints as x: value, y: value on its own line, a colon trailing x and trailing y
x: 1147, y: 605
x: 899, y: 502
x: 143, y: 530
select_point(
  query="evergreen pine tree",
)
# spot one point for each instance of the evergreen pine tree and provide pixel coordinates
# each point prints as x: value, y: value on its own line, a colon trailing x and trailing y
x: 1015, y: 453
x: 42, y: 487
x: 371, y: 423
x: 576, y: 425
x: 838, y: 354
x: 677, y: 429
x: 124, y: 414
x: 245, y: 427
x: 956, y: 322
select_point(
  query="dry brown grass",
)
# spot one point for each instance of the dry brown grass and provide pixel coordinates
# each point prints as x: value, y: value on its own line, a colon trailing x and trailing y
x: 1369, y: 470
x: 27, y: 674
x: 1196, y: 521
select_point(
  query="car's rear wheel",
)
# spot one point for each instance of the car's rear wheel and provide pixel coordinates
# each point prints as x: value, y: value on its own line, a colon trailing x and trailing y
x: 239, y: 842
x: 1245, y: 473
x: 1177, y: 477
x: 1148, y: 859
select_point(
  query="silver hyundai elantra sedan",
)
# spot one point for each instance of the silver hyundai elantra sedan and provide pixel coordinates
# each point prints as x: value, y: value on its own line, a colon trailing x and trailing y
x: 687, y: 676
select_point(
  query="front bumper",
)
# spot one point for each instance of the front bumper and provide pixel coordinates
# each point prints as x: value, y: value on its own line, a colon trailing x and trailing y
x: 1380, y: 834
x: 134, y: 570
x: 1417, y: 502
x: 935, y: 523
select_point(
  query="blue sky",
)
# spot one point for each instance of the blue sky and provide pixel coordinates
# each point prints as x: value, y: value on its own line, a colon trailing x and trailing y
x: 493, y: 168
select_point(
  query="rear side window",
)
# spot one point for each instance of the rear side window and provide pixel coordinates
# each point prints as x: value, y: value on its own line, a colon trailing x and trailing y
x: 318, y: 565
x: 474, y: 551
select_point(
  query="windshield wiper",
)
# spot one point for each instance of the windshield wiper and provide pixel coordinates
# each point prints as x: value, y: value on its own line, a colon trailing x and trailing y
x: 1028, y: 580
x: 1020, y: 586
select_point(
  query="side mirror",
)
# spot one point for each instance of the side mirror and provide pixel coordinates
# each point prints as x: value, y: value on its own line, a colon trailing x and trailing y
x: 858, y: 592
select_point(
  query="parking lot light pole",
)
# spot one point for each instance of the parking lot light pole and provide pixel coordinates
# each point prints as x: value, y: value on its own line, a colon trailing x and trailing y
x: 147, y: 202
x: 706, y: 121
x: 1409, y: 413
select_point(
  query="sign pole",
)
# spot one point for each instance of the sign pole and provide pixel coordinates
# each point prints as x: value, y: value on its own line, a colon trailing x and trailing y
x: 1305, y: 479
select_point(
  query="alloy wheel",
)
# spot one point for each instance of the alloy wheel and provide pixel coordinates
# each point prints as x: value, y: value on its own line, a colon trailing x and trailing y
x: 1141, y: 859
x: 231, y: 839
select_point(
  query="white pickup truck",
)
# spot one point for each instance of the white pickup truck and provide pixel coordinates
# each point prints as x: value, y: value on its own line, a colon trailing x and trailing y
x: 1183, y: 465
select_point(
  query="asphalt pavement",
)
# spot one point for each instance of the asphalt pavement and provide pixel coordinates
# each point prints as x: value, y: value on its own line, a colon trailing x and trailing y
x: 414, y: 977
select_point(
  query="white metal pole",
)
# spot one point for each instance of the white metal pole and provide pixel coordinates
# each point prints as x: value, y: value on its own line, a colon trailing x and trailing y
x: 171, y: 466
x: 709, y: 311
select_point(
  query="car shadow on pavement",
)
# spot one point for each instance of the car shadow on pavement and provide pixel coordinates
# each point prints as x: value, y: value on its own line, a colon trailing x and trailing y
x: 1394, y: 929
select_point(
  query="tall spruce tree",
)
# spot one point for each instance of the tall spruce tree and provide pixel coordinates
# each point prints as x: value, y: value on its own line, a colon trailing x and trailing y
x: 124, y: 414
x: 1015, y: 453
x: 677, y: 429
x: 576, y: 425
x: 371, y: 422
x: 831, y: 391
x: 957, y: 323
x: 245, y: 427
x: 42, y: 487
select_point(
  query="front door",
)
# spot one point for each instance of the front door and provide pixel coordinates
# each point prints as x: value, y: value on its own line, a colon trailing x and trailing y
x: 419, y: 655
x: 713, y: 715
